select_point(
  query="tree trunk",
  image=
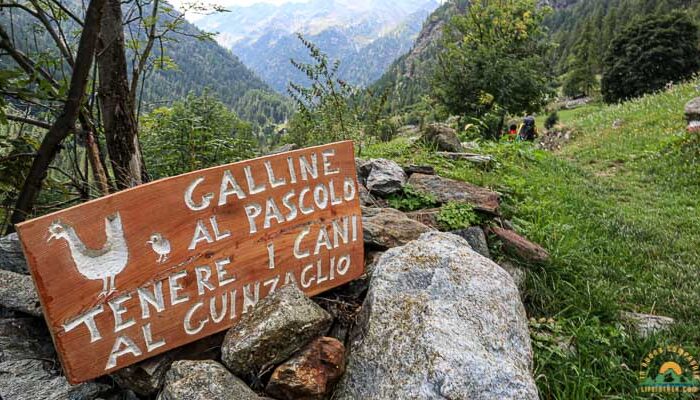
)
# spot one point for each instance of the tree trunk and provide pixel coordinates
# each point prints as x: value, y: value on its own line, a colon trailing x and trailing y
x: 66, y: 120
x: 118, y: 116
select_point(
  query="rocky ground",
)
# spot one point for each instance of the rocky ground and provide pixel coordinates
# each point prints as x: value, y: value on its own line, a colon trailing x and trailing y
x: 433, y: 317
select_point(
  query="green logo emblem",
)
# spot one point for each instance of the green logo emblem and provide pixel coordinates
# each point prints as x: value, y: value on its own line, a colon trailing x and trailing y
x: 669, y: 370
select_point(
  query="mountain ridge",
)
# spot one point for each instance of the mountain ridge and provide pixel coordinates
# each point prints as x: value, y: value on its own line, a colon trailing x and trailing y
x: 366, y: 36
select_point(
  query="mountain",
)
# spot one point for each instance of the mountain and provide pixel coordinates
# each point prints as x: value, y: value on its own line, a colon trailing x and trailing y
x: 365, y: 35
x: 204, y: 64
x: 408, y: 77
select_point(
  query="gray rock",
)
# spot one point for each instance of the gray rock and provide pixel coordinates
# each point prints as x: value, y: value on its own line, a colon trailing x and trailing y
x: 440, y: 321
x: 446, y: 190
x: 476, y: 238
x: 28, y: 366
x: 384, y: 228
x: 517, y: 273
x: 284, y: 148
x: 366, y: 199
x: 147, y: 377
x: 419, y: 169
x: 203, y: 380
x: 646, y: 325
x: 30, y: 380
x: 11, y: 256
x: 25, y: 338
x: 408, y: 130
x: 442, y: 137
x: 363, y: 168
x: 17, y: 293
x: 276, y: 328
x: 692, y: 114
x: 386, y: 177
x: 692, y: 110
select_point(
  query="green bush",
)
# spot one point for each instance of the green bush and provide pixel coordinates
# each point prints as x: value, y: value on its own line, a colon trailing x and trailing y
x: 411, y: 199
x: 551, y: 120
x: 195, y: 133
x: 455, y: 215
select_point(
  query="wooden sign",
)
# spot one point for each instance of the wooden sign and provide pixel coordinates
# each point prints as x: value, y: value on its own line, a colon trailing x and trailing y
x: 131, y: 275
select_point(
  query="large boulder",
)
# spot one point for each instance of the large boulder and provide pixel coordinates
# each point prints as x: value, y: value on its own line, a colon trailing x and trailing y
x: 11, y: 256
x: 203, y: 380
x: 447, y: 190
x: 440, y: 321
x: 276, y: 328
x: 17, y: 293
x: 518, y: 246
x: 692, y: 114
x: 28, y: 366
x: 311, y: 374
x: 442, y: 137
x: 385, y: 177
x: 384, y: 228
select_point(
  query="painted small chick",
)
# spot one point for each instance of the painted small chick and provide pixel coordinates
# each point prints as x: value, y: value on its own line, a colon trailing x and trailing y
x: 160, y: 245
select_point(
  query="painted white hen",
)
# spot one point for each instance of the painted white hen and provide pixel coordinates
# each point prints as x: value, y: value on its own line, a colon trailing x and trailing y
x: 101, y: 264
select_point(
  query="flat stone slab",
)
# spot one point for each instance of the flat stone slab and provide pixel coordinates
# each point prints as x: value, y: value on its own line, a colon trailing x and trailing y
x: 446, y: 190
x: 384, y: 228
x: 203, y: 380
x: 518, y: 246
x: 646, y: 325
x: 11, y: 256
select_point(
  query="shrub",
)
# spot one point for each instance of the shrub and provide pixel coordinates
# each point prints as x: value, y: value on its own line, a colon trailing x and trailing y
x: 411, y: 199
x: 551, y: 120
x: 455, y: 215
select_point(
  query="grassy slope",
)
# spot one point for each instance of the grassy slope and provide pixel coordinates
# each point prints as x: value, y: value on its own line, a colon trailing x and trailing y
x: 618, y: 209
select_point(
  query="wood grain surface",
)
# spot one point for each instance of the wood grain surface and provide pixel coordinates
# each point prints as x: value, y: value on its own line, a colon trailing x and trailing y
x: 131, y: 275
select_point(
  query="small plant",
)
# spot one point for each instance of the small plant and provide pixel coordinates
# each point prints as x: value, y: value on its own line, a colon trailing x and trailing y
x: 551, y: 120
x: 411, y: 199
x: 456, y: 215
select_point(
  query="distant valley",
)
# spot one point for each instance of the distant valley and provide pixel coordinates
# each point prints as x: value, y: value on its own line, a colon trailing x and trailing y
x: 366, y: 36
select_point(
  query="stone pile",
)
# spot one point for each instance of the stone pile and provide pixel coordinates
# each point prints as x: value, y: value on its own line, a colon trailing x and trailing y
x: 432, y: 317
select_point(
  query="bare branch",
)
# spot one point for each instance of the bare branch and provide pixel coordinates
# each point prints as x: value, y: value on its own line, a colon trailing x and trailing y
x: 30, y: 121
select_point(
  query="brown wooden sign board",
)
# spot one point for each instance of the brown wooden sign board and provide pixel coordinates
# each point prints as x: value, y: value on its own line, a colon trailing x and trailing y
x: 131, y: 275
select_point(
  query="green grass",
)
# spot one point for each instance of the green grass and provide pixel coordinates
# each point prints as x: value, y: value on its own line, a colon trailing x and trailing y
x: 567, y: 116
x: 619, y: 211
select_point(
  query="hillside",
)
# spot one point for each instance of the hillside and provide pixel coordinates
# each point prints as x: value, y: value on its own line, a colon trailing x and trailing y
x: 365, y: 36
x: 617, y: 209
x: 408, y: 78
x: 603, y: 19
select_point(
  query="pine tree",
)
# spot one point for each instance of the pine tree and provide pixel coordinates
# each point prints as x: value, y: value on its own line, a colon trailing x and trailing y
x: 650, y: 53
x: 581, y: 78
